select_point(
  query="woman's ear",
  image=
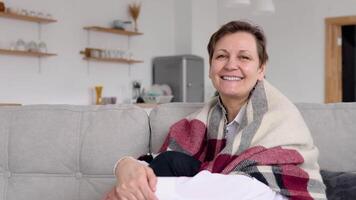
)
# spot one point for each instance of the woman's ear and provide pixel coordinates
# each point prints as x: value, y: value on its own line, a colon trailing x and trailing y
x: 261, y: 72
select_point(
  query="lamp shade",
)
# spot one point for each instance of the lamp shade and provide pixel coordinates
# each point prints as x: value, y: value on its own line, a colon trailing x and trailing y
x: 233, y: 3
x: 265, y: 6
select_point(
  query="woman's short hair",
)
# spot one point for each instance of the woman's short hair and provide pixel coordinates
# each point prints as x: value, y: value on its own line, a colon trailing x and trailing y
x: 240, y: 26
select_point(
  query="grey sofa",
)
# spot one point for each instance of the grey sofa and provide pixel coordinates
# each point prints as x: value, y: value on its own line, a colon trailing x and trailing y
x: 64, y: 152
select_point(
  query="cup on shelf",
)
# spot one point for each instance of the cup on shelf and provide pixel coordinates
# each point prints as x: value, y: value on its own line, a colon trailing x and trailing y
x: 130, y: 56
x: 95, y: 53
x: 121, y: 53
x: 14, y: 10
x: 8, y: 10
x: 113, y: 53
x: 124, y: 55
x: 42, y: 47
x: 103, y: 54
x: 107, y: 53
x: 24, y: 12
x: 12, y: 46
x: 49, y: 16
x: 32, y: 46
x: 11, y: 10
x: 108, y: 100
x: 20, y: 45
x: 127, y: 55
x: 40, y: 14
x: 32, y: 13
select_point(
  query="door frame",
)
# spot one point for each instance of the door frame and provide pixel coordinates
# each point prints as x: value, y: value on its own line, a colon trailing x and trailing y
x: 333, y: 57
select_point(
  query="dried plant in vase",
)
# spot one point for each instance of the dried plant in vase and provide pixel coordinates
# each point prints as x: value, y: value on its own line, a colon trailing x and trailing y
x: 134, y: 9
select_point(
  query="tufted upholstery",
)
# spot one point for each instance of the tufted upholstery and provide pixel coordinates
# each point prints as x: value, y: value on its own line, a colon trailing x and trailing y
x: 64, y: 152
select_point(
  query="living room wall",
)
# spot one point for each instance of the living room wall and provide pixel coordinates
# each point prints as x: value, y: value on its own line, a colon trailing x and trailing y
x: 295, y: 34
x: 67, y: 78
x: 295, y: 42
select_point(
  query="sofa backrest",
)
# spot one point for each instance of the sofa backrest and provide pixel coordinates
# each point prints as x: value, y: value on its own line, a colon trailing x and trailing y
x: 163, y: 116
x: 62, y: 152
x: 57, y: 152
x: 333, y: 127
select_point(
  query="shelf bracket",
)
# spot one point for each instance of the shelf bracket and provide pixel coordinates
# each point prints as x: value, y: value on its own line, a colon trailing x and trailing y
x: 128, y: 43
x: 39, y: 65
x: 88, y: 67
x: 129, y: 65
x: 88, y: 38
x: 39, y: 28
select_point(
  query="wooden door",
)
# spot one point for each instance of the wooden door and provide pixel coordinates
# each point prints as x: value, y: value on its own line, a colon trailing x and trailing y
x: 333, y: 58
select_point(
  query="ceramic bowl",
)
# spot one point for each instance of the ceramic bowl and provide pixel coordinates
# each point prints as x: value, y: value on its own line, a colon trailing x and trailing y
x: 120, y: 24
x: 157, y: 99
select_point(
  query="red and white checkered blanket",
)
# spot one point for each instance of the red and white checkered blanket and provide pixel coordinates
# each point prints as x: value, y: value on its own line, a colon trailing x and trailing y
x: 272, y: 143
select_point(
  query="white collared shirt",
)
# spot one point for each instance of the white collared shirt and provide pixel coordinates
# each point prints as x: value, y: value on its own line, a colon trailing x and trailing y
x: 231, y: 127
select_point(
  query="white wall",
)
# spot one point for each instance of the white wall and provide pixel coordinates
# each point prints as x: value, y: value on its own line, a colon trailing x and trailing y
x: 204, y: 24
x: 295, y: 43
x: 195, y: 21
x: 66, y: 78
x: 295, y: 35
x: 183, y: 26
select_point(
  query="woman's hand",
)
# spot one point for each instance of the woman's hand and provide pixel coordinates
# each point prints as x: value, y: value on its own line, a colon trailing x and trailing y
x: 135, y: 181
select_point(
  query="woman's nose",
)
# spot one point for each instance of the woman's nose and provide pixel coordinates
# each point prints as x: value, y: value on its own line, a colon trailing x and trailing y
x: 232, y: 64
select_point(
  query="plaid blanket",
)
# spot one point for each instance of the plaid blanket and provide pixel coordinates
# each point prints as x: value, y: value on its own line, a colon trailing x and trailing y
x: 272, y: 143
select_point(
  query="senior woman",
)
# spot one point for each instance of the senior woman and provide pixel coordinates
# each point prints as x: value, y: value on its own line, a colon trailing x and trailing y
x: 250, y: 141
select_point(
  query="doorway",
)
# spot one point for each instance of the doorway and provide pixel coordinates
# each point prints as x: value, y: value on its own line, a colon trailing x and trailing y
x: 348, y: 63
x: 334, y: 84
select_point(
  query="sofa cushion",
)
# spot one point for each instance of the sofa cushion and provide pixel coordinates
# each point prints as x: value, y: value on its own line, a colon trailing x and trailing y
x: 67, y: 152
x: 163, y: 116
x: 339, y: 185
x: 333, y: 129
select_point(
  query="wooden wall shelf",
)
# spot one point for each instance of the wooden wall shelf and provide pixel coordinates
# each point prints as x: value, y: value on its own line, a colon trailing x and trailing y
x: 25, y: 53
x: 10, y: 104
x: 26, y: 18
x: 115, y: 60
x: 112, y: 30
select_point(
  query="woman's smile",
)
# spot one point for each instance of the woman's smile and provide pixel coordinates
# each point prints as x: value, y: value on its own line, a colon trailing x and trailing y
x: 231, y: 78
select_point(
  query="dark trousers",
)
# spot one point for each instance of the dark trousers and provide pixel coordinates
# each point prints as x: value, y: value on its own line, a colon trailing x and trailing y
x: 172, y: 163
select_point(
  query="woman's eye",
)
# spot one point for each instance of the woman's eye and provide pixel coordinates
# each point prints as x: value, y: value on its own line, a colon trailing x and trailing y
x: 220, y: 56
x: 246, y: 58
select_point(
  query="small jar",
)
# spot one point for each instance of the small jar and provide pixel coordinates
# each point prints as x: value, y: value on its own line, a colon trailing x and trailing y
x: 2, y: 6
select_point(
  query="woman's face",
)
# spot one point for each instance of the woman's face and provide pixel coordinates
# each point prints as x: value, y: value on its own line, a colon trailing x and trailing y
x: 235, y: 65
